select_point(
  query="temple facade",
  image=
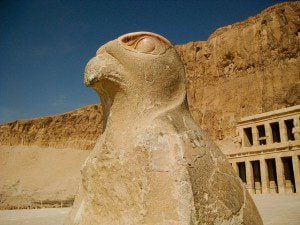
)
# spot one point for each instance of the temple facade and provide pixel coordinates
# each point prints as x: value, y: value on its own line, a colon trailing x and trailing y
x: 268, y: 153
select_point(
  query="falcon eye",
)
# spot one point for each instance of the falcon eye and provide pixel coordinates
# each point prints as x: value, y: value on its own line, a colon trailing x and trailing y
x: 144, y: 42
x: 145, y: 45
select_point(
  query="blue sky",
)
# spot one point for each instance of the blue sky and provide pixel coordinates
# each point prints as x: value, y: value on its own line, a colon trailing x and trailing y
x: 44, y: 45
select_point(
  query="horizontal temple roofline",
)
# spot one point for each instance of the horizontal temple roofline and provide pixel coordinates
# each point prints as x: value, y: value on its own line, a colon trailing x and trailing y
x: 279, y: 112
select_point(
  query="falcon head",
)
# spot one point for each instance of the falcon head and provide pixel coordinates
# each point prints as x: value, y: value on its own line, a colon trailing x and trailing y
x: 140, y: 62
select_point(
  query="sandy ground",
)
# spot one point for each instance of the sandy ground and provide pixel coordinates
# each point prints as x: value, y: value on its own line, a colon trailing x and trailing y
x: 33, y: 216
x: 275, y: 210
x: 40, y: 173
x: 279, y: 209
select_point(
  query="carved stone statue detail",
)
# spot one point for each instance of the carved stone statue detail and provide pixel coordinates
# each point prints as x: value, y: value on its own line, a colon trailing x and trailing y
x: 153, y: 164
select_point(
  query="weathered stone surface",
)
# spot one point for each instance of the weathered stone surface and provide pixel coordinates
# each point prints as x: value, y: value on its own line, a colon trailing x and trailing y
x: 77, y: 129
x: 246, y: 89
x: 244, y: 69
x: 153, y: 164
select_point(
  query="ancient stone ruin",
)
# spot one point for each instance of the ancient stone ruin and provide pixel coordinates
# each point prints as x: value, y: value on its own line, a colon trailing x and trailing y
x: 153, y: 164
x: 267, y: 155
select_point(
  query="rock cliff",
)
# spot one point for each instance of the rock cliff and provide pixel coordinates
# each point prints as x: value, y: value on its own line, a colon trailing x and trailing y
x: 77, y: 129
x: 246, y: 68
x: 243, y: 69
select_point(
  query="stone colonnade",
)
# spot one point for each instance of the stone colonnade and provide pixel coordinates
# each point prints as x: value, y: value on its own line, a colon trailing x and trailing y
x: 271, y: 173
x: 269, y: 132
x: 268, y: 151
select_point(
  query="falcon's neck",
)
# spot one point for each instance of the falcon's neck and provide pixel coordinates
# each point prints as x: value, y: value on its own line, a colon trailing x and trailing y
x: 132, y: 110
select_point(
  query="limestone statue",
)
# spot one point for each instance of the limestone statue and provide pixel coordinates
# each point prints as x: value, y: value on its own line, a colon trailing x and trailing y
x: 153, y: 164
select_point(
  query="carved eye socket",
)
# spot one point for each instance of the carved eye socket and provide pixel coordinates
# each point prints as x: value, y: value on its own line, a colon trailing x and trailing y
x: 148, y: 43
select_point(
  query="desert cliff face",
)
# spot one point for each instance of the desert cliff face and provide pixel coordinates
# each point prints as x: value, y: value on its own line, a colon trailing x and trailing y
x: 77, y: 129
x: 40, y: 159
x: 243, y: 69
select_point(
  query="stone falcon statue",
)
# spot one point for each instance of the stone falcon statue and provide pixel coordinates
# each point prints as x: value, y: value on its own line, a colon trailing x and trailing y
x: 153, y: 164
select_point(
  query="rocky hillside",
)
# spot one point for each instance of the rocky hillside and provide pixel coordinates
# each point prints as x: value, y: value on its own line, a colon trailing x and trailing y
x: 242, y: 69
x: 246, y: 68
x: 77, y: 129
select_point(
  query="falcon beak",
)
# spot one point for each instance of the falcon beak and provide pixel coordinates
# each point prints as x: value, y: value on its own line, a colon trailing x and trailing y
x: 103, y: 67
x: 91, y: 73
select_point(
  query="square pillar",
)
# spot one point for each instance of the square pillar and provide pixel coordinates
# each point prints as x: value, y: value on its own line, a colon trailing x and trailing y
x: 280, y: 175
x: 264, y: 176
x: 296, y: 172
x: 255, y: 136
x: 249, y: 177
x: 283, y: 132
x: 235, y: 167
x: 296, y: 128
x: 268, y: 133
